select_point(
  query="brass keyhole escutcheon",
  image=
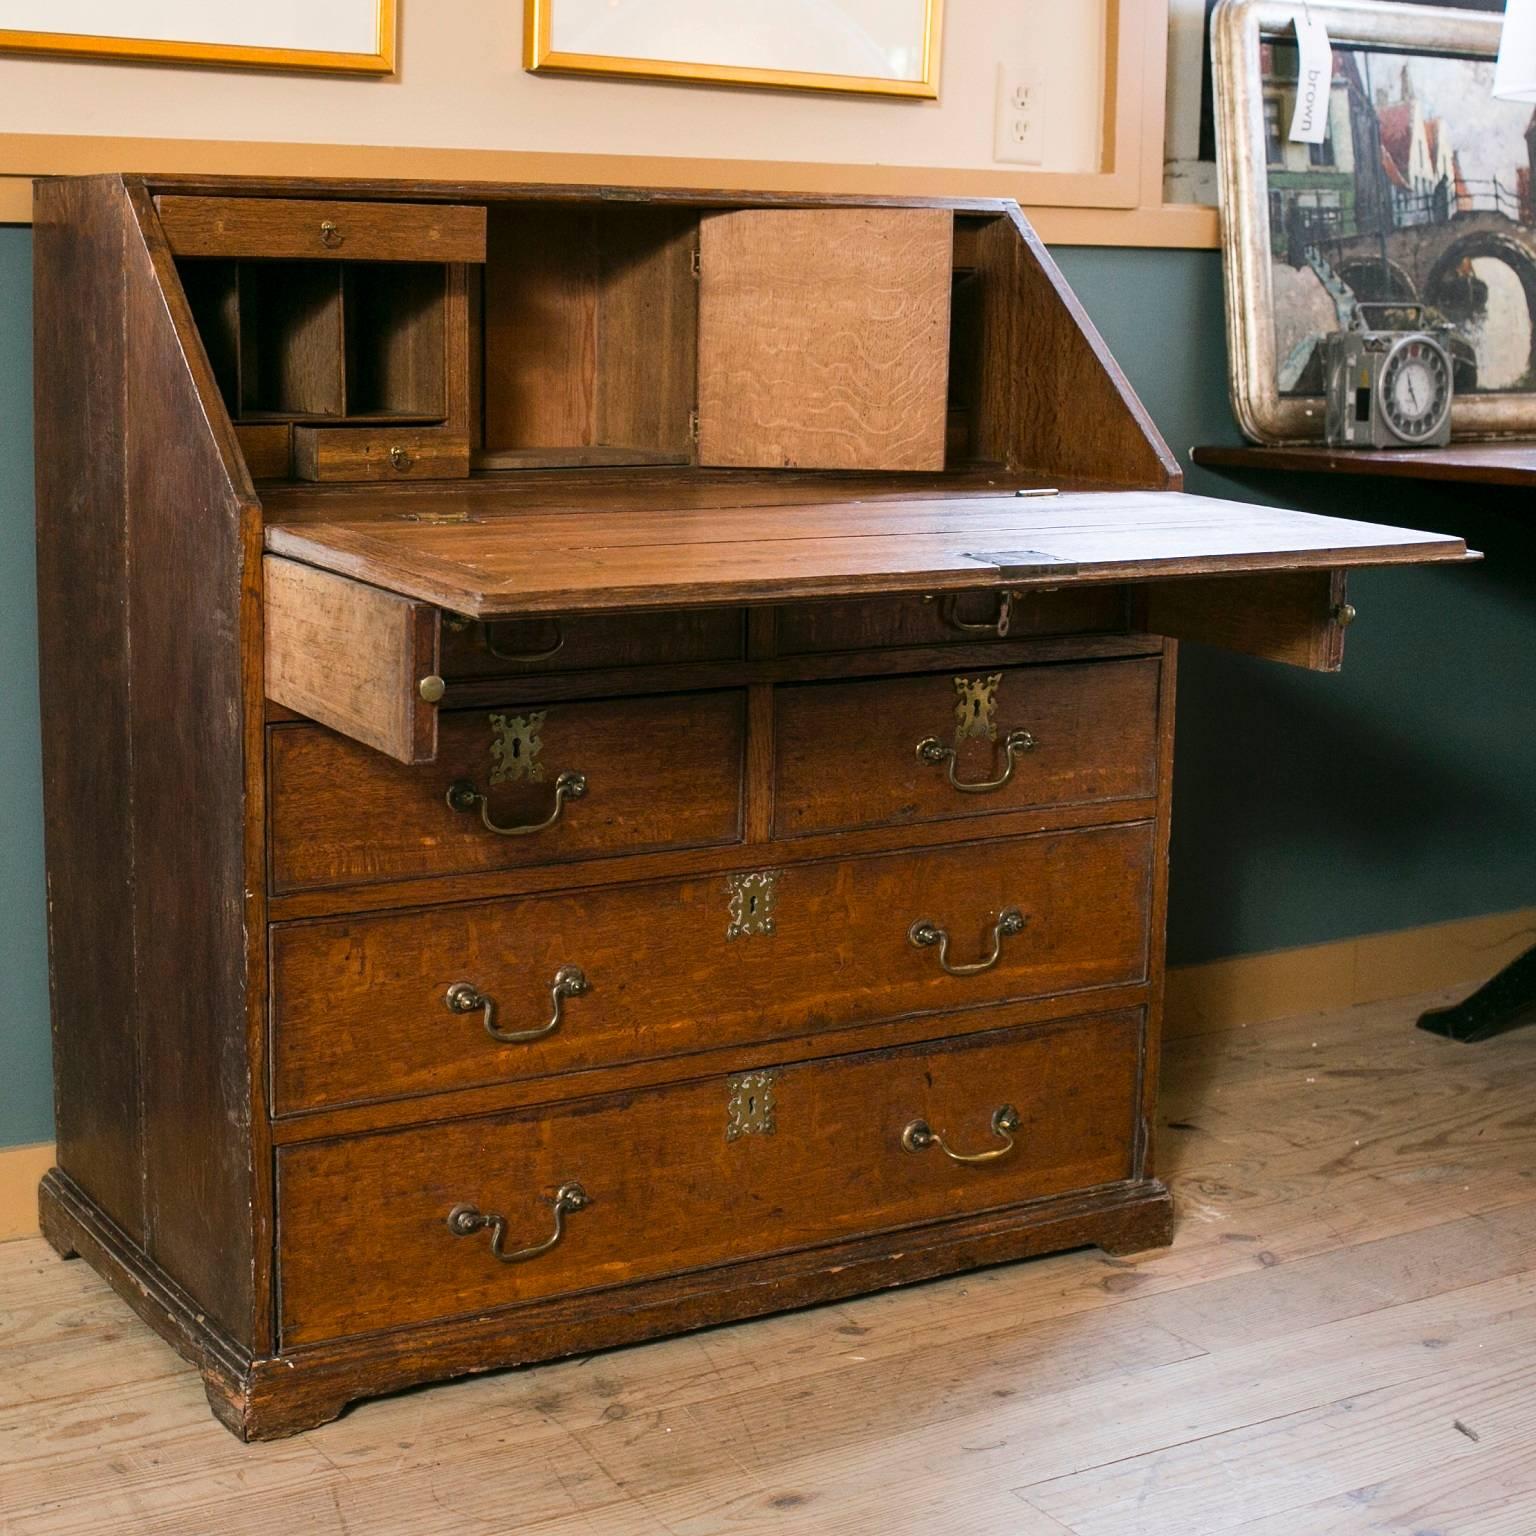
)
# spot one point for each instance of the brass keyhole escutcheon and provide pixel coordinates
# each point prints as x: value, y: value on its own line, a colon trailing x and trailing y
x: 754, y: 901
x: 749, y: 1109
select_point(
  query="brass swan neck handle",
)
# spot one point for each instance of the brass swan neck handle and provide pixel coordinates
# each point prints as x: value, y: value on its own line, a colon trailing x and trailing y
x: 925, y: 934
x: 465, y: 997
x: 466, y: 1220
x: 919, y: 1135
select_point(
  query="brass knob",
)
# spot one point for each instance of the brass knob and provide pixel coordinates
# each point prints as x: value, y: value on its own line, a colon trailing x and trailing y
x: 1344, y: 615
x: 330, y: 235
x: 400, y: 458
x: 431, y: 688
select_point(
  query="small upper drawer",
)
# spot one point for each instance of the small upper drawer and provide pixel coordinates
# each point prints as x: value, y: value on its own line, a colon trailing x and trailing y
x: 948, y: 620
x: 911, y: 749
x: 519, y: 646
x: 509, y: 787
x: 288, y: 228
x: 400, y: 1003
x: 404, y: 1227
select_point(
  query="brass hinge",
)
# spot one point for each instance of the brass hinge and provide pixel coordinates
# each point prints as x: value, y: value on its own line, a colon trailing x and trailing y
x: 693, y: 426
x: 436, y: 519
x: 696, y: 262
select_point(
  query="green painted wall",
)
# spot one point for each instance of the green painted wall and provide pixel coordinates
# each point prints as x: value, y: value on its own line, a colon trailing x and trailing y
x: 1401, y: 791
x: 26, y: 1093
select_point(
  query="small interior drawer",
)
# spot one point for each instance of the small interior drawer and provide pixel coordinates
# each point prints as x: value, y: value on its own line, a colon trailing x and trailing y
x: 289, y: 228
x: 516, y: 647
x: 393, y: 453
x: 957, y: 618
x: 395, y: 1004
x: 896, y: 751
x: 510, y: 787
x: 354, y: 657
x: 693, y: 1175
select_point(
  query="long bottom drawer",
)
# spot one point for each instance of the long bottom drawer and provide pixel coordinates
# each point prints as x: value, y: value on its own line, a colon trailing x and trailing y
x: 405, y: 1227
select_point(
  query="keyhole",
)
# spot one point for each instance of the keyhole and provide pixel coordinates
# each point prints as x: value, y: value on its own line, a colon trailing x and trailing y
x: 751, y: 906
x: 751, y: 1106
x: 975, y: 709
x: 517, y: 747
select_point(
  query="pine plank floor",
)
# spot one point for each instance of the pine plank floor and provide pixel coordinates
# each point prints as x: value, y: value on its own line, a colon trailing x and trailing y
x: 1341, y: 1342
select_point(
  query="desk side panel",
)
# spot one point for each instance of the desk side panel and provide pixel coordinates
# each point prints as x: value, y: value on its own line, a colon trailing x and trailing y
x: 78, y: 237
x: 1070, y: 411
x: 193, y: 583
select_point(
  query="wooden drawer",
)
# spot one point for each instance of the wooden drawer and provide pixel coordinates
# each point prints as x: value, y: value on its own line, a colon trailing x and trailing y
x: 362, y: 1007
x: 379, y: 453
x: 693, y: 1175
x: 472, y: 649
x: 288, y: 228
x: 853, y: 754
x: 962, y: 617
x: 610, y: 777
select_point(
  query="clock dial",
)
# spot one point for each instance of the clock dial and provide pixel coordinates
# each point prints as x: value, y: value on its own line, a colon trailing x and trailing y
x: 1415, y: 389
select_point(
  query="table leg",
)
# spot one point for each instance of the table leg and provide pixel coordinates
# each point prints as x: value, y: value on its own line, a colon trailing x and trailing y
x: 1504, y: 1003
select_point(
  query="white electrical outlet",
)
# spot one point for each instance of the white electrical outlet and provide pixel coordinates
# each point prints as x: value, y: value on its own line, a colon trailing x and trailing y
x: 1019, y: 134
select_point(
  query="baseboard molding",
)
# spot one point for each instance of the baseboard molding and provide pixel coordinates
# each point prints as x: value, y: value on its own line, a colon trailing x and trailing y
x: 1201, y: 1000
x: 21, y: 1169
x: 1250, y: 989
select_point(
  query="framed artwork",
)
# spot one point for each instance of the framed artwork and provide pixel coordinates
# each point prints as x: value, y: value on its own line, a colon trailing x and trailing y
x: 1418, y: 198
x: 349, y: 36
x: 874, y: 47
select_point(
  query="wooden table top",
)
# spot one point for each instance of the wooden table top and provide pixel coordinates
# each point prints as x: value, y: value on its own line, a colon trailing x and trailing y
x: 1511, y: 463
x: 470, y: 551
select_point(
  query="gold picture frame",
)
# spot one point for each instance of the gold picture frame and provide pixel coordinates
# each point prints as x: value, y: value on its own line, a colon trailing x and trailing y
x: 379, y: 61
x: 541, y: 57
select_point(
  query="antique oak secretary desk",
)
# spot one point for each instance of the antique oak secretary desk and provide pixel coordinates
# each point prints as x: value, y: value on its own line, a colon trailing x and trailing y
x: 607, y: 760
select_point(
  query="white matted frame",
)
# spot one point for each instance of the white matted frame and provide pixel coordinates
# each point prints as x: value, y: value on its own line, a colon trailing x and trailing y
x: 895, y: 54
x: 340, y: 36
x: 1238, y: 30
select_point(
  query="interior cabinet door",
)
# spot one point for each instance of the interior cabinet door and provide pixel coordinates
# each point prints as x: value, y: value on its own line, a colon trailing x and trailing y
x: 824, y: 338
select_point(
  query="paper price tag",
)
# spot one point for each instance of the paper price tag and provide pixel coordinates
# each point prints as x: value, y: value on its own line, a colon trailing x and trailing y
x: 1314, y: 81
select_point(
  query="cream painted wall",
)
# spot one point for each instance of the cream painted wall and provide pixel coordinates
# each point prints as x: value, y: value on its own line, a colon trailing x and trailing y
x: 461, y: 84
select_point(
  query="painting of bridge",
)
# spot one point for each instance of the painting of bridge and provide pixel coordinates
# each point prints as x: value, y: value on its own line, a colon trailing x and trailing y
x: 1416, y: 209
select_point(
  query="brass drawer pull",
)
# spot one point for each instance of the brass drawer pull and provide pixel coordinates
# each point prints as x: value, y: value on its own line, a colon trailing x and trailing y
x: 1005, y: 1121
x: 924, y: 934
x: 931, y: 750
x: 400, y: 458
x: 466, y: 1220
x: 465, y: 997
x: 996, y: 630
x: 463, y: 796
x: 330, y: 235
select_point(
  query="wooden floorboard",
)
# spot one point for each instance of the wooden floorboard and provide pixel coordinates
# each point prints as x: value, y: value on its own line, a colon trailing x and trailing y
x: 1341, y: 1342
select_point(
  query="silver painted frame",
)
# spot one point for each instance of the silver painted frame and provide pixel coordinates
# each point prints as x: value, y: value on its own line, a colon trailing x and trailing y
x: 1242, y: 178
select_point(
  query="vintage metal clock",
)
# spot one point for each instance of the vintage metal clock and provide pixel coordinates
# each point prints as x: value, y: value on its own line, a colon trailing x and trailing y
x: 1388, y: 389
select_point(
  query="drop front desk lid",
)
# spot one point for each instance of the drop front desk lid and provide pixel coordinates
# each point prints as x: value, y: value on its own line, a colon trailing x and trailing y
x: 486, y: 552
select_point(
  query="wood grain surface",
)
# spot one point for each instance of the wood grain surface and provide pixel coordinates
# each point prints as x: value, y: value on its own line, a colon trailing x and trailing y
x: 351, y: 657
x: 847, y: 752
x: 558, y: 645
x: 569, y: 562
x: 824, y: 338
x: 294, y: 228
x: 661, y: 773
x: 1327, y: 1312
x: 381, y: 453
x: 1512, y: 463
x: 670, y: 1191
x: 358, y: 1003
x: 810, y: 628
